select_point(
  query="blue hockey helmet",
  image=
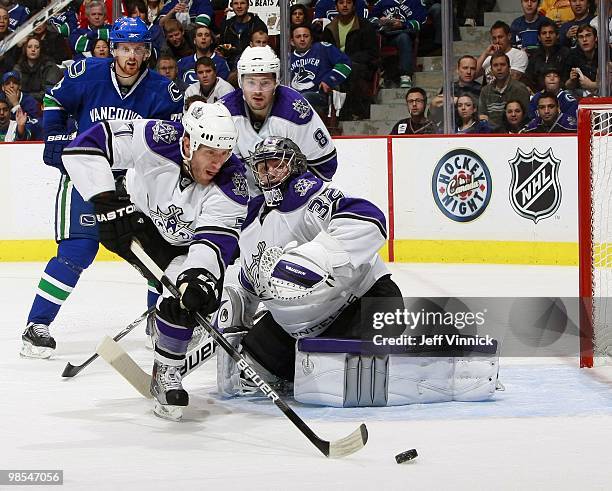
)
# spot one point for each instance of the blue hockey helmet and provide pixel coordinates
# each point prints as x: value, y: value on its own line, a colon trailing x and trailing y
x: 129, y: 30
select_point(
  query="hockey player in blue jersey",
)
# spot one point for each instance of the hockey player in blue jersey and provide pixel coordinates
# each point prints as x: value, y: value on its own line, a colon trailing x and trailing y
x: 316, y: 68
x: 187, y: 201
x: 261, y: 107
x: 92, y: 90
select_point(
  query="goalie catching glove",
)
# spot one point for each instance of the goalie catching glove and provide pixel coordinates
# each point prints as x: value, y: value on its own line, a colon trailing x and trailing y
x: 119, y: 222
x: 295, y: 271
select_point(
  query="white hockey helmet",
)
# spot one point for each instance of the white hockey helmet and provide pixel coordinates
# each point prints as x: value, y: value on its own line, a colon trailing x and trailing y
x: 209, y: 124
x: 258, y: 59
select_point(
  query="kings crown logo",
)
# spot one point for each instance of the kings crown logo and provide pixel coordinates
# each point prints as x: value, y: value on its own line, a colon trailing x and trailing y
x: 302, y: 108
x: 164, y: 132
x: 170, y: 224
x: 535, y: 192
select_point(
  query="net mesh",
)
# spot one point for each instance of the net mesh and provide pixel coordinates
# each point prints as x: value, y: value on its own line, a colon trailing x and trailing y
x: 601, y: 233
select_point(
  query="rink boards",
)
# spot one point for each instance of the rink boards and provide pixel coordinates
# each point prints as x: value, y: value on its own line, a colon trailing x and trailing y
x: 486, y: 199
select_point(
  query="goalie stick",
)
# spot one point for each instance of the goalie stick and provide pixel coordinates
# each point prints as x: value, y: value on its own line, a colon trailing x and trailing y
x: 334, y: 449
x: 33, y: 22
x: 124, y: 364
x: 71, y: 370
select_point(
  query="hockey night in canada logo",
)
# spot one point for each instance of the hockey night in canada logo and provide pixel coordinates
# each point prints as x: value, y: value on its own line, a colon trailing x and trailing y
x: 461, y: 185
x: 535, y: 191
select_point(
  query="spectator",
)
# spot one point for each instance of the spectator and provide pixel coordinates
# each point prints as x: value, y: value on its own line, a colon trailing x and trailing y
x: 53, y: 44
x: 550, y: 119
x: 467, y: 116
x: 13, y: 130
x: 472, y: 11
x: 501, y: 42
x: 557, y: 10
x: 356, y: 38
x: 568, y: 30
x: 209, y: 86
x: 580, y: 70
x: 550, y: 53
x: 552, y: 85
x: 18, y: 14
x: 178, y: 45
x: 316, y: 68
x: 198, y: 12
x: 515, y: 117
x: 166, y: 66
x: 299, y: 15
x: 7, y: 62
x: 325, y: 11
x: 37, y: 72
x: 525, y: 29
x: 466, y: 70
x: 204, y: 41
x: 417, y: 123
x: 235, y: 32
x: 259, y: 38
x: 493, y: 97
x: 82, y: 39
x: 399, y: 22
x: 101, y: 49
x: 154, y: 8
x: 11, y: 86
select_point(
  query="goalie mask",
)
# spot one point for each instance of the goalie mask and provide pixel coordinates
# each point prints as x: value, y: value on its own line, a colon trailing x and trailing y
x: 207, y: 124
x: 274, y: 161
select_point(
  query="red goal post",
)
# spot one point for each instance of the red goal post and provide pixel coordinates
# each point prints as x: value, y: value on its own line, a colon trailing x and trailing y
x: 595, y: 229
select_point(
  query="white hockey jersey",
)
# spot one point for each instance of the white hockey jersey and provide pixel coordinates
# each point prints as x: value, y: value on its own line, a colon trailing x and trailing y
x: 220, y: 89
x: 207, y: 218
x: 309, y: 207
x: 291, y: 117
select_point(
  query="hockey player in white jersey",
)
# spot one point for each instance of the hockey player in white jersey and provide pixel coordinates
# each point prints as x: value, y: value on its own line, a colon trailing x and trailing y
x: 187, y: 201
x: 309, y: 254
x: 261, y: 108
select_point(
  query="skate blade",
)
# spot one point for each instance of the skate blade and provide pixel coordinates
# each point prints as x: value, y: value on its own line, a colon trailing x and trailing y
x: 30, y: 351
x: 166, y: 411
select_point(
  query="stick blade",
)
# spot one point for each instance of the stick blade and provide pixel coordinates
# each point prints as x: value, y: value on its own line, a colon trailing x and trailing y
x: 70, y: 370
x: 349, y: 444
x: 116, y: 357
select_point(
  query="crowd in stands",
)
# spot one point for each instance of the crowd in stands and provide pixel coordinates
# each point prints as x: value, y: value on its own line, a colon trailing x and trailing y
x: 336, y: 48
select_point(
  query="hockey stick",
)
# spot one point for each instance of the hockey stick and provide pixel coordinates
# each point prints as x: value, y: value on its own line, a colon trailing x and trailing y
x: 33, y: 22
x: 124, y: 364
x: 335, y: 449
x: 71, y: 370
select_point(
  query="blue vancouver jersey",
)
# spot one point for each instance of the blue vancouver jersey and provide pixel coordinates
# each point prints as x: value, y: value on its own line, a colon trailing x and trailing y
x: 82, y: 40
x: 323, y: 62
x: 567, y: 104
x: 525, y: 34
x: 89, y: 92
x: 18, y: 14
x: 186, y: 67
x: 563, y: 124
x: 412, y: 13
x: 201, y: 11
x: 326, y: 9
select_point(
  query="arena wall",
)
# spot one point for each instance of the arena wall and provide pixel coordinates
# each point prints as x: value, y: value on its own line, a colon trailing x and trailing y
x: 484, y: 212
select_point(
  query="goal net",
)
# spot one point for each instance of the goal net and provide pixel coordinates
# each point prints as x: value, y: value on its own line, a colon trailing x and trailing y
x: 595, y: 230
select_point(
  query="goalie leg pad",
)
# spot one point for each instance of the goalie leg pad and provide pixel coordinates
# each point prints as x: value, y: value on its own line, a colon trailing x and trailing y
x: 232, y: 312
x: 330, y: 372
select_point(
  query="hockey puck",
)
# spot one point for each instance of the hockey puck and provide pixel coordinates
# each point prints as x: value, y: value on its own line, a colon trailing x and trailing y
x: 406, y: 456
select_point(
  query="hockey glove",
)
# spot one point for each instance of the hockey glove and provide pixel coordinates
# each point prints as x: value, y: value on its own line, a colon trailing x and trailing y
x: 200, y: 290
x: 54, y: 146
x: 170, y: 311
x: 119, y: 222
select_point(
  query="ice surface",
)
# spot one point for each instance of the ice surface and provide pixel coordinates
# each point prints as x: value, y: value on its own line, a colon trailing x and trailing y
x: 550, y: 429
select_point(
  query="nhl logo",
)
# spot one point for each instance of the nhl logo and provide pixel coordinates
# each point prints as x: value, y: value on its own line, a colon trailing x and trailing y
x: 307, y: 365
x: 535, y: 192
x: 461, y: 185
x: 197, y: 112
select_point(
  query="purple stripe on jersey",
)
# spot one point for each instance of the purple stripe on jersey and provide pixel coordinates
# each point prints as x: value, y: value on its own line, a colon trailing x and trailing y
x: 327, y: 169
x: 234, y: 103
x: 245, y: 283
x: 360, y: 208
x: 178, y: 333
x: 296, y: 273
x: 227, y: 244
x: 332, y: 345
x: 94, y: 138
x: 163, y: 138
x: 290, y: 105
x: 254, y: 206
